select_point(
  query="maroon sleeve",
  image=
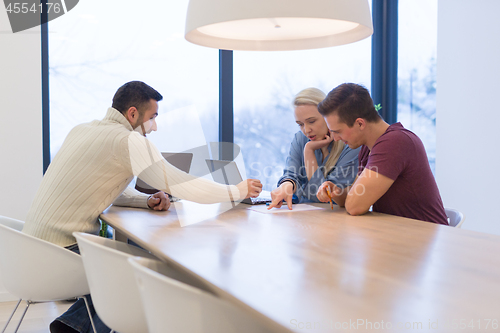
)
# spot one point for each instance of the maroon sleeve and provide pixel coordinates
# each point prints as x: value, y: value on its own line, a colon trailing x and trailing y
x: 391, y: 154
x: 363, y: 155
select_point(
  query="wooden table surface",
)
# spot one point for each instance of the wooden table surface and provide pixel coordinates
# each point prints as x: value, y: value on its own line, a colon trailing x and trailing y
x: 324, y: 270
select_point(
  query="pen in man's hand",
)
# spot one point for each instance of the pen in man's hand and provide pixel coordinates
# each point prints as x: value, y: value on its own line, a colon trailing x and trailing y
x: 330, y: 196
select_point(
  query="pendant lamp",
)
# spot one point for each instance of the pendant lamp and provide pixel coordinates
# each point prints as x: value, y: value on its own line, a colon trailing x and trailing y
x: 277, y: 25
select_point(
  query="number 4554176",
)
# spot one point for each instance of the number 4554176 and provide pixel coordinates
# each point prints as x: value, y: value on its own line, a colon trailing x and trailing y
x: 24, y: 8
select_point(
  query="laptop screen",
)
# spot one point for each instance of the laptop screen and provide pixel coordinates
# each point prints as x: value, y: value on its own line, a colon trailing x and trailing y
x: 224, y: 172
x: 181, y: 161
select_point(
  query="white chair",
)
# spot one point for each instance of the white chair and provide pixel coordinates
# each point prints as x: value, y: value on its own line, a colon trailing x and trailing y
x: 455, y: 218
x: 11, y: 223
x: 112, y: 283
x: 37, y: 271
x: 183, y: 308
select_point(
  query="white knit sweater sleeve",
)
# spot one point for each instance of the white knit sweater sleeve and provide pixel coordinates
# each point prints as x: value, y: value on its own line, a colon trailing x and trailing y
x: 149, y: 165
x: 132, y: 198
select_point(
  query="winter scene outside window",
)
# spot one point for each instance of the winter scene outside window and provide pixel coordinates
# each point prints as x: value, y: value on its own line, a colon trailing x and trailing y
x: 92, y: 53
x: 417, y: 71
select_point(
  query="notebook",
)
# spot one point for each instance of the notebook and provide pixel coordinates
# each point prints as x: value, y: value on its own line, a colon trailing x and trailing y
x: 181, y: 161
x: 226, y: 172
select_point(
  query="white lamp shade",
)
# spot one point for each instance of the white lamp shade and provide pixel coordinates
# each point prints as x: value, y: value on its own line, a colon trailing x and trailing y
x: 277, y: 25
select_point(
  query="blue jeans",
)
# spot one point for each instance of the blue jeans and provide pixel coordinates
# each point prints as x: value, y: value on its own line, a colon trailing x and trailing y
x: 78, y: 319
x: 77, y: 316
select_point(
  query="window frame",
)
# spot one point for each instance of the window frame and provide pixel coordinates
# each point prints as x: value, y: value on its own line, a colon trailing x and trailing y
x: 44, y: 28
x: 384, y: 84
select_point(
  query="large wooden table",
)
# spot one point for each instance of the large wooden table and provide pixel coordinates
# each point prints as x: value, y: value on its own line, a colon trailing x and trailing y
x: 324, y: 270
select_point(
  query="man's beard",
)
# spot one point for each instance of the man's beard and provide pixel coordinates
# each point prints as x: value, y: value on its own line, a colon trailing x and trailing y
x: 141, y: 122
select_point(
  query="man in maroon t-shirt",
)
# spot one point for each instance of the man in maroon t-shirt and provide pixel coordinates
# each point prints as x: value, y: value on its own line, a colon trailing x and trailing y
x: 394, y: 175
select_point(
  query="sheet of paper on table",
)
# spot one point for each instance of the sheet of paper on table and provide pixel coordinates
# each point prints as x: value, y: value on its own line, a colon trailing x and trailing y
x: 283, y: 209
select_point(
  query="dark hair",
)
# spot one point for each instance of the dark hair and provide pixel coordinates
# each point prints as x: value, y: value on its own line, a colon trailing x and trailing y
x: 349, y: 101
x: 134, y: 93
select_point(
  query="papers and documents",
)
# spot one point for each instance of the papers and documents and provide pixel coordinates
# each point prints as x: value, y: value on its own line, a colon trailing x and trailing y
x: 284, y: 208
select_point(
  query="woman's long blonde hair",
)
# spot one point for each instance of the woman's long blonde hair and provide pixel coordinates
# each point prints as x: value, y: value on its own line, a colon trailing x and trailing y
x: 313, y: 96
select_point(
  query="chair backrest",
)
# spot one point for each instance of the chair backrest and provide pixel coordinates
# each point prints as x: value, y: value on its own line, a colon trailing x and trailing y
x: 180, y: 307
x: 36, y: 270
x: 12, y: 223
x: 112, y: 283
x: 455, y: 218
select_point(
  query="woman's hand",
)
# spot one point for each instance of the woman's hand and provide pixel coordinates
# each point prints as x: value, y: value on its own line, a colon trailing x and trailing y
x: 310, y: 162
x: 318, y: 144
x: 283, y: 192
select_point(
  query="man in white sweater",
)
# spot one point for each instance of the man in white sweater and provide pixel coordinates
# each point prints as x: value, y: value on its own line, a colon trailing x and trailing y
x: 96, y: 163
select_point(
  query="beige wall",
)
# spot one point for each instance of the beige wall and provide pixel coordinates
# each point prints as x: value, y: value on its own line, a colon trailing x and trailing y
x: 21, y: 116
x: 468, y: 115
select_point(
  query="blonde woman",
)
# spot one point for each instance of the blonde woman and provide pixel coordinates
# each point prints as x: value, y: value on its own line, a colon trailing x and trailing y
x: 314, y: 156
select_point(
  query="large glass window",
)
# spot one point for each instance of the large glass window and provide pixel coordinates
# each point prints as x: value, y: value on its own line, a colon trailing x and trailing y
x: 417, y: 70
x: 93, y: 52
x: 100, y: 45
x: 264, y: 87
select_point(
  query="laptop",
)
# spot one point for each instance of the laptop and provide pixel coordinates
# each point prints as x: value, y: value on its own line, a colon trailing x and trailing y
x: 181, y: 161
x: 226, y: 172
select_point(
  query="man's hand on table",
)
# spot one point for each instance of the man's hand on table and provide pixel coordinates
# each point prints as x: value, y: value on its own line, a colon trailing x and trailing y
x: 250, y: 188
x: 159, y: 201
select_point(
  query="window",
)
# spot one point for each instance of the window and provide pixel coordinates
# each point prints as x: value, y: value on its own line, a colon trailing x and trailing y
x: 99, y: 46
x: 417, y: 70
x: 93, y: 52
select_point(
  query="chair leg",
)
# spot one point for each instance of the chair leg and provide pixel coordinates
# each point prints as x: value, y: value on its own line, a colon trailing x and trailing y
x: 11, y: 315
x: 88, y: 311
x: 28, y: 303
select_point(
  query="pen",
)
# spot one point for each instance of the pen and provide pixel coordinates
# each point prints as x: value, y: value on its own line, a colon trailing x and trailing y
x: 330, y: 196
